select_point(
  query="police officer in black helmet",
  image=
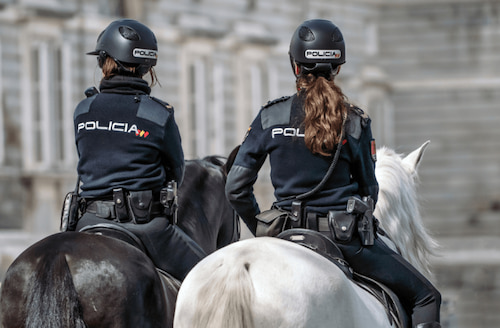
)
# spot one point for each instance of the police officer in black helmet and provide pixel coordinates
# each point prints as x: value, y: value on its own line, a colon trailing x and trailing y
x: 129, y: 149
x: 308, y: 134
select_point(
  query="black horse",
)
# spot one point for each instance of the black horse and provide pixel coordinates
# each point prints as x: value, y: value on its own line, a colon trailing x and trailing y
x: 78, y: 279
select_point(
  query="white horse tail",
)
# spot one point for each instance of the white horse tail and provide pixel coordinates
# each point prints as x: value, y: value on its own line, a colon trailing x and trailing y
x: 225, y: 298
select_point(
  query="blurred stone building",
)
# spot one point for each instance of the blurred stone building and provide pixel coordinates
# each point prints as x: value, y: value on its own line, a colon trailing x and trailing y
x: 423, y: 70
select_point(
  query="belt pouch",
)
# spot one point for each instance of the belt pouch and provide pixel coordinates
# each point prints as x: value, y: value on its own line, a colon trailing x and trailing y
x: 271, y: 222
x: 312, y: 221
x: 140, y: 205
x: 342, y: 225
x: 296, y: 214
x: 103, y: 209
x: 120, y: 205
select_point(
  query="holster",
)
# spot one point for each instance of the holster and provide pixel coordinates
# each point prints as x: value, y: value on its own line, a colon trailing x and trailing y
x: 366, y: 230
x: 70, y: 212
x: 364, y: 209
x: 169, y: 200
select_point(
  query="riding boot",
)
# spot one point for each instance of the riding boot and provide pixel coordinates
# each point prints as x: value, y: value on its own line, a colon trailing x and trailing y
x: 428, y: 325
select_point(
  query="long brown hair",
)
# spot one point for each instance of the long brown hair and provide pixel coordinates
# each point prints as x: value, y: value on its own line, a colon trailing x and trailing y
x: 325, y: 109
x: 111, y: 68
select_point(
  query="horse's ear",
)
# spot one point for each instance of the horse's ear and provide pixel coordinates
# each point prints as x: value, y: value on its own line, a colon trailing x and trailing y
x: 230, y: 159
x: 413, y: 159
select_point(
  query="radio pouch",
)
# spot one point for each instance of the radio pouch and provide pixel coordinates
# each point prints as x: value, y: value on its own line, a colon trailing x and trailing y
x: 271, y: 222
x: 342, y: 225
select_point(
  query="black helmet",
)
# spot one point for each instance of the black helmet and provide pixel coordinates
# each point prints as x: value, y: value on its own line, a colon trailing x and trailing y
x: 129, y: 42
x: 318, y: 47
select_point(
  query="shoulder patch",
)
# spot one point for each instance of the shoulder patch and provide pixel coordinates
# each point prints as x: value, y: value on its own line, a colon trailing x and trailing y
x: 361, y: 113
x: 356, y: 121
x: 154, y: 110
x: 276, y: 112
x: 84, y: 106
x: 163, y: 103
x: 275, y: 101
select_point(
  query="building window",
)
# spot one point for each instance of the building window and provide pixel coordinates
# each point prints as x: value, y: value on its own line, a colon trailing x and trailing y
x: 49, y: 126
x: 205, y: 108
x: 2, y: 113
x: 255, y: 89
x: 381, y: 112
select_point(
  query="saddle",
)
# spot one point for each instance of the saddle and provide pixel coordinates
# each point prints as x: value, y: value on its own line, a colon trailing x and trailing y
x: 319, y: 243
x: 325, y: 247
x: 117, y: 232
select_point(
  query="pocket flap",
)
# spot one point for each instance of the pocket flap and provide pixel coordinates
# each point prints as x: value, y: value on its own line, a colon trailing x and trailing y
x: 269, y: 215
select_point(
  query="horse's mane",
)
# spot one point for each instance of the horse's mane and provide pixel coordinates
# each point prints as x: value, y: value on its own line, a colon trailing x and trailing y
x: 402, y: 220
x: 219, y: 163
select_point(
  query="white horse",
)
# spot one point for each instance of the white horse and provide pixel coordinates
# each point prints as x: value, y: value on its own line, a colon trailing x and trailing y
x: 268, y: 282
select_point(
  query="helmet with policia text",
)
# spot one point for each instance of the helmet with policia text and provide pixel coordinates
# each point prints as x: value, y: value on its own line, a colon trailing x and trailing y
x: 317, y: 47
x: 128, y: 42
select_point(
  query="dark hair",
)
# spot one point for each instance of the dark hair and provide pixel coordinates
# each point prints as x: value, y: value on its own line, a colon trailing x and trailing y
x: 325, y: 109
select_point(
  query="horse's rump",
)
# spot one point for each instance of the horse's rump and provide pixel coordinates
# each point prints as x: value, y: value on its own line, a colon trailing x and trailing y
x: 280, y: 283
x: 85, y: 275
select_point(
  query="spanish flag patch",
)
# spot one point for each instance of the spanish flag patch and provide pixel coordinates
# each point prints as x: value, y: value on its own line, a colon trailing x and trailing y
x: 373, y: 150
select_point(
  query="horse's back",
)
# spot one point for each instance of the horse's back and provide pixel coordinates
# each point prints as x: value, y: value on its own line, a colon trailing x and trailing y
x: 278, y: 284
x: 102, y: 273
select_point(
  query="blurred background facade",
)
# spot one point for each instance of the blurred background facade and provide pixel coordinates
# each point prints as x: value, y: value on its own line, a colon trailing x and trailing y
x: 423, y: 70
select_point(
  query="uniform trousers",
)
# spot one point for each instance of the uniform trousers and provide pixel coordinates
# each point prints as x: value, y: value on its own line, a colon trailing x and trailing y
x: 170, y: 248
x: 416, y: 293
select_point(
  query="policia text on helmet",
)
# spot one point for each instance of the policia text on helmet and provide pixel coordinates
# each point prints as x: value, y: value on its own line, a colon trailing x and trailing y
x: 131, y: 45
x: 317, y: 47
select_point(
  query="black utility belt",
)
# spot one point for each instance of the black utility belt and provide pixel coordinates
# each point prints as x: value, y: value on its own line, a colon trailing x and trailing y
x: 341, y: 226
x: 338, y: 225
x: 127, y: 206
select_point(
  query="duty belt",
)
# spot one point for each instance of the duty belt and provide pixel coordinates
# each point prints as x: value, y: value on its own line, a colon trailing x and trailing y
x: 318, y: 223
x: 136, y: 206
x: 107, y: 210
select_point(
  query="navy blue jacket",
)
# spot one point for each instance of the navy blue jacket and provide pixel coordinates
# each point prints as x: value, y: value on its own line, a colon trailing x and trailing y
x: 126, y: 138
x: 278, y: 131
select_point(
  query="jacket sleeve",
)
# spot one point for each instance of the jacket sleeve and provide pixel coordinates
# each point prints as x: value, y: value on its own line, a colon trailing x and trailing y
x: 364, y: 167
x: 173, y: 154
x: 243, y: 174
x: 239, y: 192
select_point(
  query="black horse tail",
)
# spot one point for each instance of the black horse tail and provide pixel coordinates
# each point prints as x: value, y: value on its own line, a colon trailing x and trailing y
x: 53, y: 301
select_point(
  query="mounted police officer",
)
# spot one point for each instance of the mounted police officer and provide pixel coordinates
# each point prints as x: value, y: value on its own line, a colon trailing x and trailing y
x: 322, y: 158
x: 130, y: 153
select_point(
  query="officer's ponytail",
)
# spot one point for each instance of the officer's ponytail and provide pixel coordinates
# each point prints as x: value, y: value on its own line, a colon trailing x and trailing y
x: 110, y: 68
x: 324, y: 105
